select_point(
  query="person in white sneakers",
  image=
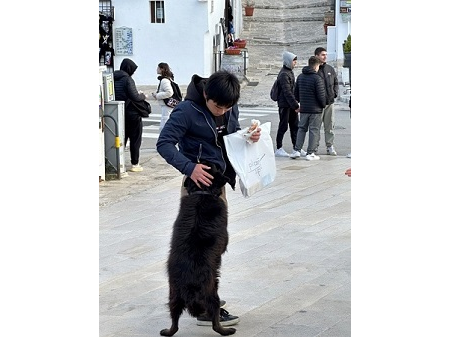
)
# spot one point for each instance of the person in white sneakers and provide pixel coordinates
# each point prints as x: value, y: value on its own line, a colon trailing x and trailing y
x: 329, y: 77
x: 125, y: 89
x: 310, y: 92
x: 287, y: 105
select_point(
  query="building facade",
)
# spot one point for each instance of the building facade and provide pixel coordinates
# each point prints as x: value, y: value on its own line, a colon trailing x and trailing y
x: 189, y: 35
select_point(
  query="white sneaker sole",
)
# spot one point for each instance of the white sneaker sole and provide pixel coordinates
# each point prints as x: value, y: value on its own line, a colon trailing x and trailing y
x: 225, y: 323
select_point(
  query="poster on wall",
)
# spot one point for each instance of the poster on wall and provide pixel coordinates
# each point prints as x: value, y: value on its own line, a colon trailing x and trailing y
x: 124, y: 41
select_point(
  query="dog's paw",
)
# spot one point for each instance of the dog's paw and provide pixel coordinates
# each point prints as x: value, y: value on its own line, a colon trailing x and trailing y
x: 228, y: 331
x: 167, y: 332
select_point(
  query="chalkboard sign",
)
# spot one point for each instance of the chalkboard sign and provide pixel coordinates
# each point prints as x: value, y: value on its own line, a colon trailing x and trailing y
x: 233, y: 64
x: 124, y: 41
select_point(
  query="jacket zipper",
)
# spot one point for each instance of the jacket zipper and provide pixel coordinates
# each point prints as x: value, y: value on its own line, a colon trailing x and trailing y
x: 215, y: 136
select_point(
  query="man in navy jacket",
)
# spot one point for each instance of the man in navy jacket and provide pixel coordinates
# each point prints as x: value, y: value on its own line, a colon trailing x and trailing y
x: 310, y: 92
x: 197, y: 125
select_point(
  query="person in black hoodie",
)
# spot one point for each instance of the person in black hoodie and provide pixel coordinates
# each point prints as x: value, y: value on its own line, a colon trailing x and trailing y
x: 125, y: 89
x: 310, y: 93
x: 288, y: 107
x: 197, y: 125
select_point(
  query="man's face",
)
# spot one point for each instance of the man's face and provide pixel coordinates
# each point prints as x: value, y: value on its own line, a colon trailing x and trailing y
x: 323, y: 57
x: 294, y: 63
x: 216, y: 109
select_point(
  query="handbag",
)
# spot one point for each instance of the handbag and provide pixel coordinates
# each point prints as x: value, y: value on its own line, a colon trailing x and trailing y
x: 254, y: 163
x: 171, y: 102
x: 142, y: 107
x: 176, y: 98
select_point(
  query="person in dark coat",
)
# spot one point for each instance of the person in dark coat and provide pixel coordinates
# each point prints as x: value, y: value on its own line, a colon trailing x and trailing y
x: 125, y: 89
x: 287, y: 105
x: 310, y: 92
x: 194, y: 134
x: 331, y: 83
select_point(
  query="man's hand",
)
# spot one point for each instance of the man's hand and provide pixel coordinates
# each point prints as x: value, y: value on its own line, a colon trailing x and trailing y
x: 256, y: 135
x: 200, y: 175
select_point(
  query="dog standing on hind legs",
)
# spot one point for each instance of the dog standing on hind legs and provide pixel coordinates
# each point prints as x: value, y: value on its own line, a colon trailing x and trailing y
x: 199, y: 238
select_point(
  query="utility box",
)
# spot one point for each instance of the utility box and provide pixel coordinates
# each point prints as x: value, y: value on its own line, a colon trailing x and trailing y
x: 114, y: 121
x: 108, y: 87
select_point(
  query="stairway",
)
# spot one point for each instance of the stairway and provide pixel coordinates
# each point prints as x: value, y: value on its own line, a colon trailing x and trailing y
x: 274, y: 28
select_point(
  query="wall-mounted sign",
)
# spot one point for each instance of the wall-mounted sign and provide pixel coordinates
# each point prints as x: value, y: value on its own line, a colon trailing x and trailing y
x: 124, y: 41
x: 345, y: 6
x: 345, y: 9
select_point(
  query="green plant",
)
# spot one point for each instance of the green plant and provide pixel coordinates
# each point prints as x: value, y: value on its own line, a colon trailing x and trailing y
x: 348, y: 44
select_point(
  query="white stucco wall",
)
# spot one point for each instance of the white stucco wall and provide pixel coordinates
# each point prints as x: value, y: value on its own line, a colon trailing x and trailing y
x: 342, y: 31
x: 337, y: 35
x: 184, y: 41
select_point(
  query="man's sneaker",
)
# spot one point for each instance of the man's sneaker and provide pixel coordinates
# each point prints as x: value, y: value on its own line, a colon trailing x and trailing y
x: 349, y: 155
x: 312, y: 156
x: 281, y: 153
x: 136, y: 168
x: 331, y: 150
x: 295, y: 154
x: 225, y: 319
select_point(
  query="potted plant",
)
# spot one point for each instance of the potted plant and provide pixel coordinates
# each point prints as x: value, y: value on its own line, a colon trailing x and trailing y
x: 233, y: 50
x: 240, y: 43
x: 249, y: 6
x: 347, y: 47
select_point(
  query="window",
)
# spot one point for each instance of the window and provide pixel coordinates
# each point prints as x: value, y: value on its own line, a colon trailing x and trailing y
x: 157, y: 14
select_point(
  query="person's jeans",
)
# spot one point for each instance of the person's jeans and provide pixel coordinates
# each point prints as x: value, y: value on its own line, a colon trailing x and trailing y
x: 328, y: 124
x: 311, y: 122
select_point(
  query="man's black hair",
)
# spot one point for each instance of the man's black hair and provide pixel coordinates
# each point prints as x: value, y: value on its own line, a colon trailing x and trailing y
x: 319, y: 50
x: 223, y: 88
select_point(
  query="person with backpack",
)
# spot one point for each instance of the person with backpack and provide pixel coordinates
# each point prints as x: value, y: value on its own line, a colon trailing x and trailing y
x: 165, y: 91
x: 288, y: 107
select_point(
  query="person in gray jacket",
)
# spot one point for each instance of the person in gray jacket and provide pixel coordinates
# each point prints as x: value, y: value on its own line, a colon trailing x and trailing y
x: 331, y: 88
x: 310, y: 92
x: 288, y: 107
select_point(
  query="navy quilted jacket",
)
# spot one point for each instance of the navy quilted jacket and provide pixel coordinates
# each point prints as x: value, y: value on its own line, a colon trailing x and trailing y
x: 310, y: 91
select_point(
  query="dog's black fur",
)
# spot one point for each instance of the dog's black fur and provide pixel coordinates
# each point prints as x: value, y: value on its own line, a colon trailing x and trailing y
x: 199, y: 239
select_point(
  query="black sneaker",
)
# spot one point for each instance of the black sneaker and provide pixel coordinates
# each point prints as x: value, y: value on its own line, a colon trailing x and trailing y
x: 225, y: 319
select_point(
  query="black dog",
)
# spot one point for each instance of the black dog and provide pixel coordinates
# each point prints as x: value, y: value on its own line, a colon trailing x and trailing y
x: 199, y: 239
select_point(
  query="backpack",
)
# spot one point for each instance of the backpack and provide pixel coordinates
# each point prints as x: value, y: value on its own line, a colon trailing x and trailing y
x: 275, y: 91
x: 176, y: 98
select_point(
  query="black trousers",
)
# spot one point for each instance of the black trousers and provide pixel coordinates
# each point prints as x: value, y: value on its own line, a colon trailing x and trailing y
x: 288, y: 117
x: 133, y: 132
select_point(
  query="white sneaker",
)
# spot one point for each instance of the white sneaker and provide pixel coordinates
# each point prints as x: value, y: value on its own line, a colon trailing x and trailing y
x: 349, y: 155
x: 281, y: 153
x: 136, y: 168
x: 312, y: 156
x: 295, y: 154
x: 331, y: 150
